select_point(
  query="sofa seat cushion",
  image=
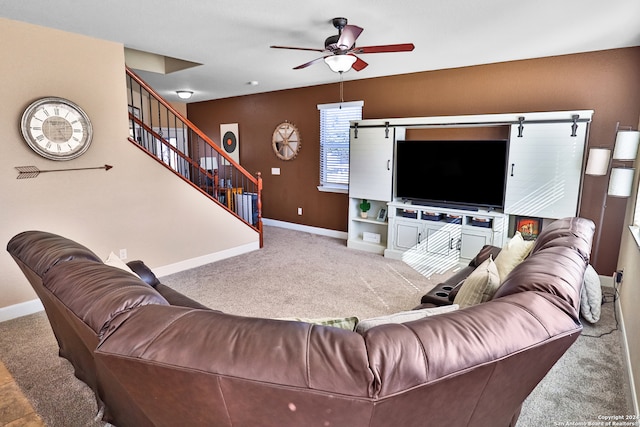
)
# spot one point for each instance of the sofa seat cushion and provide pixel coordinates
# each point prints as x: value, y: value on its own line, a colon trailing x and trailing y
x: 480, y: 286
x: 97, y: 293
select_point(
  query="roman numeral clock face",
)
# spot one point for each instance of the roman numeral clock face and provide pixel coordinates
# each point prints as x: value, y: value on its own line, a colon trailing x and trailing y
x: 56, y: 128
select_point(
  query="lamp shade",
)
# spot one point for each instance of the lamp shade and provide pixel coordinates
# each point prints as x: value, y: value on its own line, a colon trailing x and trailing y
x: 621, y: 182
x: 626, y: 145
x: 340, y: 63
x: 209, y: 163
x: 598, y: 162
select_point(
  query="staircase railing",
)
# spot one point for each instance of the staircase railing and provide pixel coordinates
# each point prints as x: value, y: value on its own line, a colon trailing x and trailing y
x: 160, y: 130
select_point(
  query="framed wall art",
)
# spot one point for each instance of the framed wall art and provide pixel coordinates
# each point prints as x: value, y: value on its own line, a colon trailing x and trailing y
x: 529, y: 227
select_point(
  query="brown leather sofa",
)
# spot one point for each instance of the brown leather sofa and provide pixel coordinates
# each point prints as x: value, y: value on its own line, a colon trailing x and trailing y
x: 154, y: 363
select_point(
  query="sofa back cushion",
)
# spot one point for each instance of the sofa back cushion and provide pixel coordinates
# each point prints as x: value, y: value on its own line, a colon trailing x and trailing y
x: 40, y: 250
x: 557, y: 262
x: 576, y: 233
x: 97, y: 293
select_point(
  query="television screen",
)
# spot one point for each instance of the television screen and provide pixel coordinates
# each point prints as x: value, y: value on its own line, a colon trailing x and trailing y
x: 470, y: 174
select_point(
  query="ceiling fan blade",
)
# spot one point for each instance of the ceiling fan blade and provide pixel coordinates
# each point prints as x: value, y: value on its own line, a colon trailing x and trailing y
x: 348, y: 37
x: 403, y: 47
x: 359, y: 64
x: 298, y: 48
x: 305, y: 65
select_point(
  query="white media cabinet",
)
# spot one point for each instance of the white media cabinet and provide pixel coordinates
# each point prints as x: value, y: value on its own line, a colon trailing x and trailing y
x: 443, y: 231
x: 544, y: 179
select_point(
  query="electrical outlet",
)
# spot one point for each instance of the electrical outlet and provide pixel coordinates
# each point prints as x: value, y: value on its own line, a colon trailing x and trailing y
x: 299, y: 211
x: 123, y: 254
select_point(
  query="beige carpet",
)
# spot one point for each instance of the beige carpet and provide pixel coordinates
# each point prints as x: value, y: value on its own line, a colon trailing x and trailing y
x: 305, y: 275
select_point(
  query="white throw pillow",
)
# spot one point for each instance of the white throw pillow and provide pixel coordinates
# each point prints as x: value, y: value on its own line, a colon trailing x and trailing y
x: 512, y: 254
x: 403, y: 316
x: 114, y: 261
x: 348, y: 323
x: 591, y: 296
x: 480, y: 285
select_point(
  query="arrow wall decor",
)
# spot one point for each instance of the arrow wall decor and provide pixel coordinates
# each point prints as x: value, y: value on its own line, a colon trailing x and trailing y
x: 25, y: 172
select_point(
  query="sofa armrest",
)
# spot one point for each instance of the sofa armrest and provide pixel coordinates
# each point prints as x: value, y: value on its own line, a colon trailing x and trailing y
x: 174, y: 297
x: 483, y: 255
x: 144, y: 272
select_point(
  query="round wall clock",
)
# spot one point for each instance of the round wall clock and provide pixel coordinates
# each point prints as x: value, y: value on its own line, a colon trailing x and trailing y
x: 56, y: 128
x: 286, y: 141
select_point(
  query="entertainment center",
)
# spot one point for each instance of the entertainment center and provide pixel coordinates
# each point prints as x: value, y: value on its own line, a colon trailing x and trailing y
x: 445, y: 198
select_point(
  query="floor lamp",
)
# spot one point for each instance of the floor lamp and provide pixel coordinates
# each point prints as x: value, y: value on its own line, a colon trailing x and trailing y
x: 600, y: 163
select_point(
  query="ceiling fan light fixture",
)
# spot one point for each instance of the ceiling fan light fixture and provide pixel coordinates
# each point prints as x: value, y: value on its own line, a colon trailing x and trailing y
x: 184, y: 94
x: 340, y: 63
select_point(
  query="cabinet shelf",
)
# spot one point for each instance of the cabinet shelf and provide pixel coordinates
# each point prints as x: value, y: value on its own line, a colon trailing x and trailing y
x: 369, y: 221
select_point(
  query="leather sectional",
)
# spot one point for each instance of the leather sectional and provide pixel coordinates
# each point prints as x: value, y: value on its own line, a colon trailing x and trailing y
x: 154, y: 357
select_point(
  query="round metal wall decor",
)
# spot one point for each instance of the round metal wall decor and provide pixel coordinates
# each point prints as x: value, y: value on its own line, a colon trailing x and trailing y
x: 286, y: 141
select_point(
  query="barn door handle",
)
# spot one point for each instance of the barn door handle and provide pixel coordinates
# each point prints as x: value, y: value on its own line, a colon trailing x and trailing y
x: 513, y: 165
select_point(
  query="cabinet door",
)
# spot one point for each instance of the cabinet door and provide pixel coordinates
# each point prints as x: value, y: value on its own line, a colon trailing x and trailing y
x: 407, y: 234
x: 443, y: 239
x: 371, y: 164
x: 472, y: 242
x: 544, y: 170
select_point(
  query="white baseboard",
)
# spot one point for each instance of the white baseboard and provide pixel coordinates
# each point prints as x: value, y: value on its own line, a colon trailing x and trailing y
x: 205, y: 259
x: 626, y: 359
x: 33, y: 306
x: 306, y: 228
x: 21, y: 309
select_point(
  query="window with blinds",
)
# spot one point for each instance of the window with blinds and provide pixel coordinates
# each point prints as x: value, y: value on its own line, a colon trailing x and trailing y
x: 334, y: 142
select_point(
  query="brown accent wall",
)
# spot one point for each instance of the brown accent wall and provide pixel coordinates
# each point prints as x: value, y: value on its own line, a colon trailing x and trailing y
x: 606, y: 82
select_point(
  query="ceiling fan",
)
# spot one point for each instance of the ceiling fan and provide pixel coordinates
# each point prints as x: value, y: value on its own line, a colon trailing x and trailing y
x: 342, y: 50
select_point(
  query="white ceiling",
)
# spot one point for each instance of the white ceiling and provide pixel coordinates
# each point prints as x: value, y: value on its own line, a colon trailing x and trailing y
x: 232, y: 38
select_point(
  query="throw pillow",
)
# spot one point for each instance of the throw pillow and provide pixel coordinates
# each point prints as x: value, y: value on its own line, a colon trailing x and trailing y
x: 348, y: 323
x: 480, y: 285
x: 591, y: 296
x: 114, y: 261
x: 403, y: 316
x: 512, y: 254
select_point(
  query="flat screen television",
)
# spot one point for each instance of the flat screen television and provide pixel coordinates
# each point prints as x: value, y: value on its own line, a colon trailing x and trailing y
x: 465, y: 174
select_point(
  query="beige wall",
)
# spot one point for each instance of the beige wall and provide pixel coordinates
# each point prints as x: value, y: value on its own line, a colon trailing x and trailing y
x: 629, y: 262
x: 137, y: 205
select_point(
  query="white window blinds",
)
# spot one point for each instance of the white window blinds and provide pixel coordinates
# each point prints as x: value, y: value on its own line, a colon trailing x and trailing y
x: 334, y: 141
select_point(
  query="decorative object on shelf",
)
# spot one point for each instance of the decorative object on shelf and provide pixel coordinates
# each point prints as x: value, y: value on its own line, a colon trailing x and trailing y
x: 25, y: 172
x: 382, y: 215
x: 600, y: 163
x: 529, y: 228
x: 286, y: 141
x: 364, y: 208
x: 229, y: 140
x: 56, y: 128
